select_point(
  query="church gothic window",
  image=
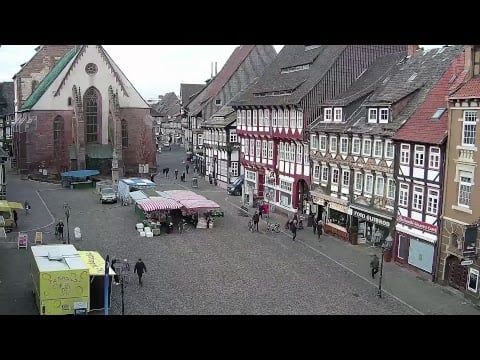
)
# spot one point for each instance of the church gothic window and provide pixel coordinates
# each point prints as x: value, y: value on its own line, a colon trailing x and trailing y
x: 91, y: 115
x: 124, y: 133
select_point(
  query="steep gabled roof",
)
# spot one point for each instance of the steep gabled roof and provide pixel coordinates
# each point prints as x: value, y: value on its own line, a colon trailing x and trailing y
x: 429, y: 67
x: 223, y: 117
x: 48, y: 80
x: 168, y: 105
x: 471, y: 89
x: 189, y: 90
x: 421, y: 127
x: 36, y: 62
x: 8, y: 95
x: 218, y: 82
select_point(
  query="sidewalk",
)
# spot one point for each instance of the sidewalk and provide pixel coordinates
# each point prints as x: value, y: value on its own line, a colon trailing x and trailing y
x: 414, y: 290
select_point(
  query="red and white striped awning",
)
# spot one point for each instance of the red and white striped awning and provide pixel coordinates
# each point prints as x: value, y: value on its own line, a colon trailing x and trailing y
x: 158, y: 204
x: 199, y: 204
x: 184, y: 195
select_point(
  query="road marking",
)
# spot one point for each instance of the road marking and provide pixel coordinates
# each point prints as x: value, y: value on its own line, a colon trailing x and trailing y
x: 345, y: 267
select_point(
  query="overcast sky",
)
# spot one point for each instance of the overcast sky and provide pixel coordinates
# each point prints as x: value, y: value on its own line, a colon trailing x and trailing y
x: 153, y: 69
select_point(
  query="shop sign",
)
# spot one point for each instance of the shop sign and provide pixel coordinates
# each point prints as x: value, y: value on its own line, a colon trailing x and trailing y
x: 371, y: 218
x: 417, y: 224
x: 340, y: 207
x: 470, y: 241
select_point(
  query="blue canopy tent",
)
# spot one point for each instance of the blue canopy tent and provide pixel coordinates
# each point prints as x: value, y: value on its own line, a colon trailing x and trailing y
x: 71, y: 178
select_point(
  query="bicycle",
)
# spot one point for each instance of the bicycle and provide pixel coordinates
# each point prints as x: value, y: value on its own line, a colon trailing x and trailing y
x: 273, y: 227
x: 183, y: 227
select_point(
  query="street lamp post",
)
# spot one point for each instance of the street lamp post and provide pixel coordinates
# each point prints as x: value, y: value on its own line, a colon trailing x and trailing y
x: 386, y: 246
x: 66, y: 207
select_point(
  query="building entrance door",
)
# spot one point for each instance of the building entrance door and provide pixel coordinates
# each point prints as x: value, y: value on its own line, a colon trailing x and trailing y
x: 456, y: 273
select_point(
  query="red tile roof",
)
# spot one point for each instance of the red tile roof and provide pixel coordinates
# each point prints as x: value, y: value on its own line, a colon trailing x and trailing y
x: 421, y: 127
x: 471, y: 89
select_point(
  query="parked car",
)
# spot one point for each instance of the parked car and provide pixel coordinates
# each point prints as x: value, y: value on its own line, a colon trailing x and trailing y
x: 235, y: 188
x: 108, y: 195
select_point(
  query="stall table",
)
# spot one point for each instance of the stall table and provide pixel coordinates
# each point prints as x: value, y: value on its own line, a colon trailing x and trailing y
x: 336, y: 230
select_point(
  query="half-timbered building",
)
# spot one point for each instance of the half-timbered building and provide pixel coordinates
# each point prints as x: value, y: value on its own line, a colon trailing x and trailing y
x: 274, y: 112
x: 419, y: 171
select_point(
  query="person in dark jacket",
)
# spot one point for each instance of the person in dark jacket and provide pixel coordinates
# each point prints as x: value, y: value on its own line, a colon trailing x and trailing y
x: 374, y: 265
x: 116, y: 278
x: 260, y: 211
x: 186, y: 167
x: 293, y: 228
x: 255, y: 219
x: 15, y: 217
x: 139, y: 269
x: 60, y: 229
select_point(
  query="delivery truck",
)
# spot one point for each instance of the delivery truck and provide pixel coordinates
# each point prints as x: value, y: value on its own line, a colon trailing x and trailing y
x: 61, y: 280
x: 127, y: 185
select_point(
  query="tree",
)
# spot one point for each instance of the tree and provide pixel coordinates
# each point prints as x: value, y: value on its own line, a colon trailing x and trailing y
x: 145, y: 147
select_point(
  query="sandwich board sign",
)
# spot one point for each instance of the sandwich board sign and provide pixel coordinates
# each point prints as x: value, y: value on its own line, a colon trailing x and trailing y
x: 22, y: 240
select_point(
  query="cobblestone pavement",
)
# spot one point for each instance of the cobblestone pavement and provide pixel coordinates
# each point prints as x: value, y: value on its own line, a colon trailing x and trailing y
x: 224, y: 270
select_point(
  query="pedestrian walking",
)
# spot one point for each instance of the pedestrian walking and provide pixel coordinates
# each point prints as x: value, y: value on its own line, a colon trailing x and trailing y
x: 176, y: 174
x: 293, y: 229
x: 319, y: 228
x: 166, y: 172
x: 255, y: 219
x: 183, y: 176
x: 152, y: 176
x: 139, y: 269
x: 186, y: 167
x: 260, y: 211
x: 374, y: 265
x: 314, y: 226
x: 15, y: 217
x: 60, y: 229
x: 116, y: 278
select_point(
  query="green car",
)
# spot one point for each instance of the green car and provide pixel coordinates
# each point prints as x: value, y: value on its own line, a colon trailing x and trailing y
x: 216, y: 213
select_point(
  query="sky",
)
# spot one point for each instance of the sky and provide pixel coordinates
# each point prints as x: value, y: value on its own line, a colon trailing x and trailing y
x: 152, y: 69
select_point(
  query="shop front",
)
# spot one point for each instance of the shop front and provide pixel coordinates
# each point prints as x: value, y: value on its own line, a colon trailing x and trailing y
x: 250, y: 187
x: 415, y: 243
x: 369, y: 226
x: 338, y: 220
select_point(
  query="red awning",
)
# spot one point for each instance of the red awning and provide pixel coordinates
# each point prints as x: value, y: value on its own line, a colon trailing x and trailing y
x: 200, y: 204
x: 158, y: 204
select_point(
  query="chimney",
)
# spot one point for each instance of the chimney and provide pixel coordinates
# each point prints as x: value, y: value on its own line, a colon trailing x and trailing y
x: 215, y: 68
x: 411, y: 49
x: 468, y: 59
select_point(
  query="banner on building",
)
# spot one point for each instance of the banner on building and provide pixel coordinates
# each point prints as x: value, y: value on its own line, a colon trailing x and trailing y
x: 470, y: 242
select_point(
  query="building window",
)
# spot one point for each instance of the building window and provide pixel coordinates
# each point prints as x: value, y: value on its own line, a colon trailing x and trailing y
x: 405, y: 154
x: 258, y: 146
x: 378, y: 148
x: 286, y: 117
x: 335, y: 175
x: 287, y: 151
x: 254, y: 118
x: 389, y: 150
x: 338, y: 114
x: 252, y: 147
x: 124, y: 133
x: 239, y: 117
x: 281, y: 151
x: 246, y: 147
x: 323, y: 142
x: 91, y: 115
x: 434, y: 158
x: 292, y: 119
x: 465, y: 188
x: 280, y: 118
x: 417, y: 198
x: 324, y: 173
x: 403, y: 196
x: 469, y: 128
x: 327, y: 114
x: 260, y: 117
x: 333, y: 144
x: 358, y: 181
x: 299, y: 153
x: 367, y: 147
x: 380, y: 185
x: 316, y: 171
x: 346, y: 178
x: 390, y: 188
x: 234, y: 166
x: 218, y: 102
x: 266, y: 114
x: 314, y: 141
x: 432, y: 201
x: 368, y: 183
x: 419, y: 155
x: 344, y: 145
x: 274, y: 118
x: 299, y: 119
x: 286, y: 185
x: 383, y: 115
x: 306, y: 155
x: 233, y: 136
x: 285, y: 199
x: 264, y: 149
x: 58, y: 133
x: 249, y: 118
x: 372, y: 115
x: 270, y: 150
x: 356, y: 146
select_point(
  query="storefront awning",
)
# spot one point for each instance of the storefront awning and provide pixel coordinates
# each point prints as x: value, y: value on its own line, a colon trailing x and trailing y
x: 184, y: 195
x: 153, y: 204
x: 204, y: 204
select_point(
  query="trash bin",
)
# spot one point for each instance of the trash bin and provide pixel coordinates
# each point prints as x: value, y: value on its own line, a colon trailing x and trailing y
x: 77, y: 233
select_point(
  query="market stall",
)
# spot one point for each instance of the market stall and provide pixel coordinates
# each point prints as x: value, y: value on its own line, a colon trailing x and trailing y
x: 157, y: 212
x: 202, y: 208
x: 96, y: 268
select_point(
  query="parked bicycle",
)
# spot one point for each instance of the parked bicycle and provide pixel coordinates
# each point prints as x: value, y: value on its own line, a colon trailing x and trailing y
x: 273, y: 227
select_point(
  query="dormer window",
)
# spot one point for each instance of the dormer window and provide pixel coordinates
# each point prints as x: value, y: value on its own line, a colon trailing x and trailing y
x: 338, y: 114
x: 383, y: 115
x: 476, y: 60
x: 372, y: 115
x: 327, y: 114
x: 218, y: 102
x: 438, y: 114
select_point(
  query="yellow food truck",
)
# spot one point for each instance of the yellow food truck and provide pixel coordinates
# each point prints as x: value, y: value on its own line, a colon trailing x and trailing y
x: 61, y: 280
x: 96, y: 268
x: 6, y: 210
